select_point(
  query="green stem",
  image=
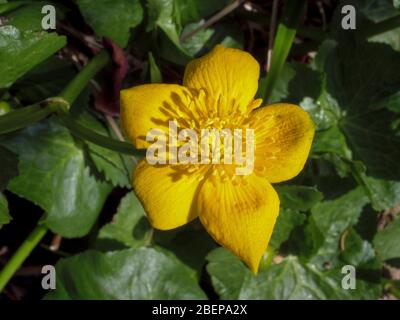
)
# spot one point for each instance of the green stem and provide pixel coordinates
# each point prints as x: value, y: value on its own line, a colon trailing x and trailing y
x: 24, y: 117
x: 359, y: 177
x: 21, y: 118
x: 76, y: 86
x: 87, y: 134
x: 283, y: 42
x: 21, y: 254
x: 72, y: 91
x: 28, y: 115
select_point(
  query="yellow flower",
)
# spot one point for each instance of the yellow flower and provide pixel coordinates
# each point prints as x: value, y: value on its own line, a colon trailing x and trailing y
x: 218, y: 91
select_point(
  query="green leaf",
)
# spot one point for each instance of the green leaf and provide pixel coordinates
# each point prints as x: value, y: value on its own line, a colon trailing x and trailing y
x: 283, y: 42
x: 115, y: 167
x: 332, y: 218
x: 390, y: 37
x: 384, y: 194
x: 300, y: 198
x: 331, y: 140
x: 163, y: 15
x: 112, y: 18
x: 129, y: 226
x: 53, y: 174
x: 228, y: 34
x: 21, y: 51
x: 132, y: 274
x: 4, y: 213
x: 328, y: 112
x: 371, y: 131
x: 290, y: 279
x: 378, y: 10
x: 8, y: 165
x: 189, y: 243
x: 386, y: 241
x: 362, y: 86
x: 9, y: 6
x: 281, y: 88
x: 35, y: 85
x: 359, y: 82
x: 305, y: 83
x: 194, y: 10
x: 305, y: 241
x: 287, y: 220
x: 30, y: 16
x: 111, y: 164
x: 357, y: 251
x: 300, y: 84
x: 228, y: 273
x: 355, y: 77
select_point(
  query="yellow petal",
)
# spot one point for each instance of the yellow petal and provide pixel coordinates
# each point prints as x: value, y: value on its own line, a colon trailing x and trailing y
x: 151, y: 106
x: 239, y: 217
x: 283, y: 134
x: 229, y: 77
x: 166, y: 193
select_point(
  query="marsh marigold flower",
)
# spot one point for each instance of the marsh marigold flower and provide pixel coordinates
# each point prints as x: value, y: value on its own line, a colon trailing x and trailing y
x: 238, y: 211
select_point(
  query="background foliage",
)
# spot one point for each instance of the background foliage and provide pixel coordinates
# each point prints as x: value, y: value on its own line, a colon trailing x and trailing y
x: 342, y: 209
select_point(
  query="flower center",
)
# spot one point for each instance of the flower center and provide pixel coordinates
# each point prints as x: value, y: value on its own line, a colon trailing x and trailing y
x: 210, y: 131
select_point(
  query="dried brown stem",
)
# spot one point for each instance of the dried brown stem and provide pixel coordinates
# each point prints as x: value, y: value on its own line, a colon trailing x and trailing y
x: 218, y: 16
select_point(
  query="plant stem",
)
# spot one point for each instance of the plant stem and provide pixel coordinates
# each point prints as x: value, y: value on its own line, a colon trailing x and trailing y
x: 283, y: 42
x: 21, y: 254
x: 218, y: 16
x: 87, y: 134
x: 72, y: 91
x: 117, y: 131
x: 28, y: 115
x: 76, y: 86
x: 24, y: 117
x: 21, y: 118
